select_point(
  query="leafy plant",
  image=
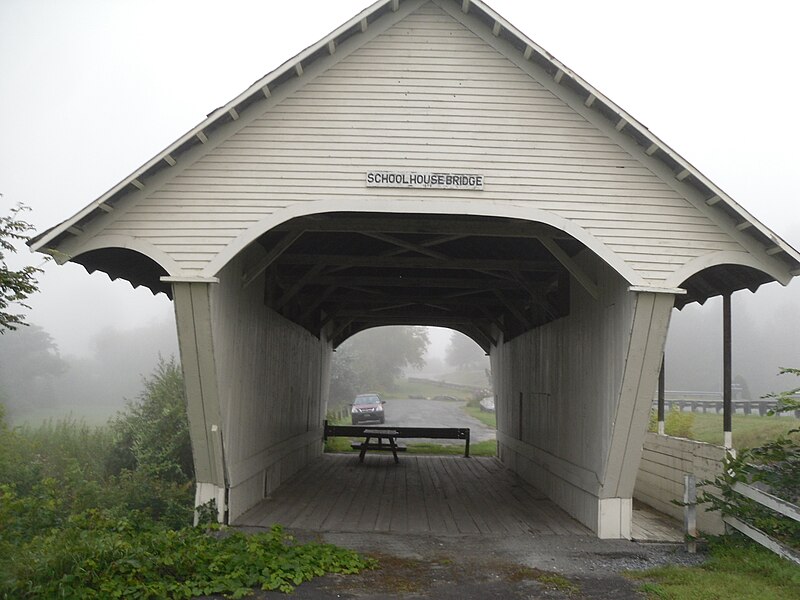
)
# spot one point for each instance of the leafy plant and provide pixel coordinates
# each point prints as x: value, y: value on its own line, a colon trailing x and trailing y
x: 15, y: 285
x: 788, y: 400
x: 152, y: 434
x: 676, y: 422
x: 774, y: 466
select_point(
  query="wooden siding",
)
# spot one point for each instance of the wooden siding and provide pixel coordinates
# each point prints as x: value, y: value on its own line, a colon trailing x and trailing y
x: 272, y: 400
x: 426, y: 94
x: 665, y: 460
x: 556, y: 392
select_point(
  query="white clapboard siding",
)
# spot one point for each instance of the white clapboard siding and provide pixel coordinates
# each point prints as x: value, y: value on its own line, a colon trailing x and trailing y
x: 426, y: 94
x: 665, y: 460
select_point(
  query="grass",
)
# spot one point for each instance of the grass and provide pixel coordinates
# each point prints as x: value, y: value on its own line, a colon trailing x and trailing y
x: 736, y: 569
x: 487, y: 418
x: 749, y: 431
x: 406, y: 389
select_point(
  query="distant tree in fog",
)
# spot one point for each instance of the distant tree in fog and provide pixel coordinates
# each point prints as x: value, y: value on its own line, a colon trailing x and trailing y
x: 30, y: 364
x: 463, y: 352
x: 374, y: 359
x: 15, y: 285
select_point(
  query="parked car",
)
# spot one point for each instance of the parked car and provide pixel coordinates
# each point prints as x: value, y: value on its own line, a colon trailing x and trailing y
x: 367, y: 407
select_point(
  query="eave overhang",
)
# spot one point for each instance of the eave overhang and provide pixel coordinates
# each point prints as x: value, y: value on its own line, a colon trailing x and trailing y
x: 773, y: 246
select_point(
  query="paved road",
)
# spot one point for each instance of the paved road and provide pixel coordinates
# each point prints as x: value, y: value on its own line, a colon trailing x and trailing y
x: 436, y: 413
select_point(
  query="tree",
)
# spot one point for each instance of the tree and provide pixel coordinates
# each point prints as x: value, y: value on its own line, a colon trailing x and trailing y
x: 463, y: 352
x: 788, y: 400
x: 373, y: 359
x: 15, y: 286
x: 30, y: 365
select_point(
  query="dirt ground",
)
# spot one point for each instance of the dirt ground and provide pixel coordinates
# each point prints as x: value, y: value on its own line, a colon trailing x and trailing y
x: 483, y: 568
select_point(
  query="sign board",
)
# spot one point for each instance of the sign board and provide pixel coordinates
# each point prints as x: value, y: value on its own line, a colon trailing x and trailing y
x: 439, y: 181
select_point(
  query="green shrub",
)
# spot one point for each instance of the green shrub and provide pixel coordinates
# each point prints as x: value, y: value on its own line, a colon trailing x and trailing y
x: 101, y: 555
x: 676, y: 422
x: 152, y: 434
x: 776, y: 467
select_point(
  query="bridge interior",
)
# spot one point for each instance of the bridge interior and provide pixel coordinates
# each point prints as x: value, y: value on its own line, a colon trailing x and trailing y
x: 438, y: 495
x: 478, y: 275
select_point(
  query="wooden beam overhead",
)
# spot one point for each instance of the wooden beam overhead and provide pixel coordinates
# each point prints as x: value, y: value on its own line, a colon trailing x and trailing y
x: 137, y: 184
x: 512, y: 307
x: 498, y: 27
x: 589, y: 100
x: 486, y: 265
x: 331, y: 47
x: 713, y: 200
x: 363, y: 224
x: 234, y: 114
x: 319, y: 300
x: 274, y: 253
x: 266, y: 91
x: 298, y: 285
x: 682, y: 175
x: 395, y: 5
x: 298, y: 68
x: 422, y: 282
x: 465, y: 6
x: 407, y: 245
x: 651, y: 149
x: 202, y: 137
x: 621, y: 124
x: 570, y: 265
x: 364, y: 25
x: 558, y: 76
x: 169, y: 160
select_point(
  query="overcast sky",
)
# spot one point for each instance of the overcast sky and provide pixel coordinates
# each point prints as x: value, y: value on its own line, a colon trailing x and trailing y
x: 90, y: 90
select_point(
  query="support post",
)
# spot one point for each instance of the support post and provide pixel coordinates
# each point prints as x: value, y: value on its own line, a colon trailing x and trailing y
x: 690, y: 512
x: 661, y: 396
x: 726, y: 372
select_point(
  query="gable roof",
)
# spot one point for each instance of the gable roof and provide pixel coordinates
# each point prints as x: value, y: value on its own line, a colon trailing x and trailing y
x: 263, y: 88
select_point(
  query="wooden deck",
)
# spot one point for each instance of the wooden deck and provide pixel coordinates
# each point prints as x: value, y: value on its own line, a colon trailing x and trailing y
x: 421, y: 494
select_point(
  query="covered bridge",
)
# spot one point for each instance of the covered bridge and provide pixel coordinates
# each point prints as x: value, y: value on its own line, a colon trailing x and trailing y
x: 426, y: 163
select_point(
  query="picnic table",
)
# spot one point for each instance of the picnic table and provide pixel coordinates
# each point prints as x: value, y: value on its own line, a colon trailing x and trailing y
x: 380, y: 434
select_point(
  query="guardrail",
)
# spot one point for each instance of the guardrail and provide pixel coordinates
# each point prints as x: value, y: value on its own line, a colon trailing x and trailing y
x: 709, y: 404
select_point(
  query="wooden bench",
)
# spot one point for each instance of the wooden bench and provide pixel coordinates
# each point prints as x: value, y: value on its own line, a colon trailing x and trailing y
x: 451, y: 433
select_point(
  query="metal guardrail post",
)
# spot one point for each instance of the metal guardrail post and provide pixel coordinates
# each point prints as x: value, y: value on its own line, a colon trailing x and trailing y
x: 690, y: 512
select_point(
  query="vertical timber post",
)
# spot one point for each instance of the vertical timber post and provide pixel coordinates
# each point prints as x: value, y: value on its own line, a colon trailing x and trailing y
x: 661, y: 395
x: 726, y: 372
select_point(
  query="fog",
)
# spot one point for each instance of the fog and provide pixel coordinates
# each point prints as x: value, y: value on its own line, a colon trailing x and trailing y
x: 92, y: 89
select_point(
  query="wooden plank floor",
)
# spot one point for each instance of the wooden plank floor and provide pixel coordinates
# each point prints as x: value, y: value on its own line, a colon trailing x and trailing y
x: 421, y: 494
x: 649, y: 525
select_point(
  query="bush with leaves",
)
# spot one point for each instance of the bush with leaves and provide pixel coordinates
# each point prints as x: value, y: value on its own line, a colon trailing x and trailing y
x: 774, y: 467
x: 152, y: 434
x: 677, y: 423
x: 788, y: 400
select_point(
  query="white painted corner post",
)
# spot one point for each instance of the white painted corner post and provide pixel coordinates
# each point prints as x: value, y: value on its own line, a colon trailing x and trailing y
x: 643, y: 362
x: 192, y: 300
